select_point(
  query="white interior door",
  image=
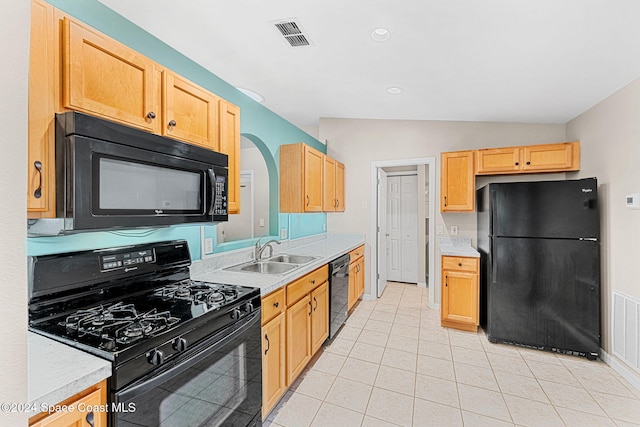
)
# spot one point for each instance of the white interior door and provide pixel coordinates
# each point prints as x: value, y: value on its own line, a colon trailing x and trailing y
x: 409, y: 225
x: 382, y: 236
x: 394, y: 229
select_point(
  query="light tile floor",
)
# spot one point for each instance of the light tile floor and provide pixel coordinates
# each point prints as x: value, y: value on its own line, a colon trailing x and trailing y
x: 393, y: 365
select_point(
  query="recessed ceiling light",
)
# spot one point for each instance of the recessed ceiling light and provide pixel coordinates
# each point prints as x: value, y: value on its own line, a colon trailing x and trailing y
x: 394, y: 90
x: 251, y: 94
x: 380, y: 34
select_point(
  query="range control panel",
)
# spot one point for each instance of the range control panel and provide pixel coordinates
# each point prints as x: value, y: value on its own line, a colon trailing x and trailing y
x: 127, y: 259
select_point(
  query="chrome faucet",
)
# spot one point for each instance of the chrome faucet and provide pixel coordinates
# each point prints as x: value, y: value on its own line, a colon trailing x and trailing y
x: 260, y: 249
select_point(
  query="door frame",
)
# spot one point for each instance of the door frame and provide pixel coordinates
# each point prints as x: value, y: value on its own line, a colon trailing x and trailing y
x: 373, y: 269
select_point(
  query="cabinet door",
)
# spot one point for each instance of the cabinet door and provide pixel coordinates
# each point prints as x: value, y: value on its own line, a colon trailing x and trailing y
x: 41, y: 156
x: 460, y: 299
x: 360, y: 278
x: 457, y: 182
x: 107, y: 79
x: 76, y: 417
x: 319, y: 316
x: 273, y: 363
x: 298, y: 338
x: 313, y: 160
x: 550, y: 157
x: 189, y: 112
x: 230, y: 145
x: 339, y: 187
x: 353, y: 285
x: 498, y: 160
x: 329, y: 185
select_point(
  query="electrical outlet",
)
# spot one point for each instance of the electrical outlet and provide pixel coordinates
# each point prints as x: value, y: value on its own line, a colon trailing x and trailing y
x: 283, y: 233
x: 208, y: 245
x: 454, y: 230
x: 261, y: 222
x: 440, y: 229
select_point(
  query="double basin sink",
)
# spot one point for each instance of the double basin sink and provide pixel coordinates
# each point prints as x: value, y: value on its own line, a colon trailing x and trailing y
x: 278, y: 264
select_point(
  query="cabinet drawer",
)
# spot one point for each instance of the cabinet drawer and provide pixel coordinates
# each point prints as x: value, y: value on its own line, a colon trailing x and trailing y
x: 305, y: 284
x: 356, y: 253
x: 460, y: 263
x: 272, y: 305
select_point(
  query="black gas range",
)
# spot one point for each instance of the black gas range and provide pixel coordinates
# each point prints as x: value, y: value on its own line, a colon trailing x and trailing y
x: 195, y: 343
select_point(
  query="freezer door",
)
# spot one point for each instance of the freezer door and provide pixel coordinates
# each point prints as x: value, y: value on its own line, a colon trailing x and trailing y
x: 555, y: 209
x: 545, y: 293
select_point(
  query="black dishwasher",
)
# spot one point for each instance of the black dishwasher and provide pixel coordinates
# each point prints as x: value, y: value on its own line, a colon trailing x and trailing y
x: 338, y: 293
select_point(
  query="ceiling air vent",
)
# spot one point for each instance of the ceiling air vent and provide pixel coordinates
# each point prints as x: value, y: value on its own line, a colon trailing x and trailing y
x: 292, y: 32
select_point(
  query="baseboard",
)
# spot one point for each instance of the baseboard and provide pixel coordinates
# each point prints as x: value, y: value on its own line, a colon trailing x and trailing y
x: 422, y: 284
x: 625, y: 372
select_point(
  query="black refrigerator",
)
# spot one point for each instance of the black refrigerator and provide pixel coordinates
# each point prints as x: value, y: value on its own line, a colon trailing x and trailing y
x: 539, y: 245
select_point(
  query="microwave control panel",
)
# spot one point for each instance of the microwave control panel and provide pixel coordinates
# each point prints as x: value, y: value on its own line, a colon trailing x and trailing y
x: 220, y: 192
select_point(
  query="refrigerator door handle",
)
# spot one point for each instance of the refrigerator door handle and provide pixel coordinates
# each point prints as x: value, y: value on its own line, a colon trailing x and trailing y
x: 494, y: 265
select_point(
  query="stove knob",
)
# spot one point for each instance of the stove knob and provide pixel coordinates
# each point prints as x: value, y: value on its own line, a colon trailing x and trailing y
x: 248, y: 307
x: 180, y: 344
x: 235, y: 314
x: 156, y: 357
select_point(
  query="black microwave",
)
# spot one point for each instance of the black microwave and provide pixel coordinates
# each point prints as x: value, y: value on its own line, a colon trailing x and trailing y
x: 111, y: 176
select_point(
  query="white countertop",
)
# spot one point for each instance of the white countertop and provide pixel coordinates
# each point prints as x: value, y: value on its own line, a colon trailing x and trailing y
x: 452, y: 246
x: 57, y: 371
x: 326, y: 250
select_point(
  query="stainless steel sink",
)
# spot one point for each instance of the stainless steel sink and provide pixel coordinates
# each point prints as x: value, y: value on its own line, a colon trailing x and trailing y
x: 292, y: 259
x: 263, y: 267
x: 268, y: 267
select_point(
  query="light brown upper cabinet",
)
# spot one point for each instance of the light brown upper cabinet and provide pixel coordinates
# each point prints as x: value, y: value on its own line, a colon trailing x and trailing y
x: 340, y: 187
x: 301, y: 178
x: 534, y: 158
x: 41, y: 194
x: 333, y: 173
x: 230, y: 145
x: 457, y: 192
x: 107, y: 79
x: 189, y: 113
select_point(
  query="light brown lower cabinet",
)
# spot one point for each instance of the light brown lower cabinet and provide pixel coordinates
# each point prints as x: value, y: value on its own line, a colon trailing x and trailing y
x: 460, y: 293
x: 295, y: 324
x: 356, y: 276
x: 273, y: 362
x: 93, y: 397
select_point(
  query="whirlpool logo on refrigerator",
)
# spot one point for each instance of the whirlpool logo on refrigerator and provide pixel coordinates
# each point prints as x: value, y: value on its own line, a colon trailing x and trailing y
x: 587, y: 190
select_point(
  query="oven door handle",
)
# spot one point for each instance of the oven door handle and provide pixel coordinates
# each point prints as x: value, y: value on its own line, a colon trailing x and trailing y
x: 201, y: 352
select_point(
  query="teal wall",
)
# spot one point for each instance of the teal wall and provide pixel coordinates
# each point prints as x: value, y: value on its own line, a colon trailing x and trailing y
x: 265, y: 128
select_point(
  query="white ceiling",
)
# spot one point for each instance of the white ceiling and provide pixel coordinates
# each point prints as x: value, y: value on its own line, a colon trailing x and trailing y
x: 542, y: 61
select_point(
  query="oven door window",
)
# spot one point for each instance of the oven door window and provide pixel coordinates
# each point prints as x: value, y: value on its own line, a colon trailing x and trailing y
x: 221, y: 387
x: 127, y: 187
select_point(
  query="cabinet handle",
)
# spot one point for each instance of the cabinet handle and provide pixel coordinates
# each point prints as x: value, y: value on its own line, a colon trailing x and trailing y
x: 172, y: 123
x: 446, y: 281
x: 266, y: 337
x: 445, y: 200
x: 459, y: 264
x: 308, y: 200
x: 316, y: 301
x: 90, y: 419
x: 528, y: 163
x: 310, y: 308
x: 517, y: 163
x: 276, y: 304
x: 38, y: 193
x: 151, y: 115
x: 313, y: 282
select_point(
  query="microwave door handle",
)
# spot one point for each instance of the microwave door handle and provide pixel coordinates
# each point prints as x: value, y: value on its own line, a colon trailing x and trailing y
x: 212, y: 190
